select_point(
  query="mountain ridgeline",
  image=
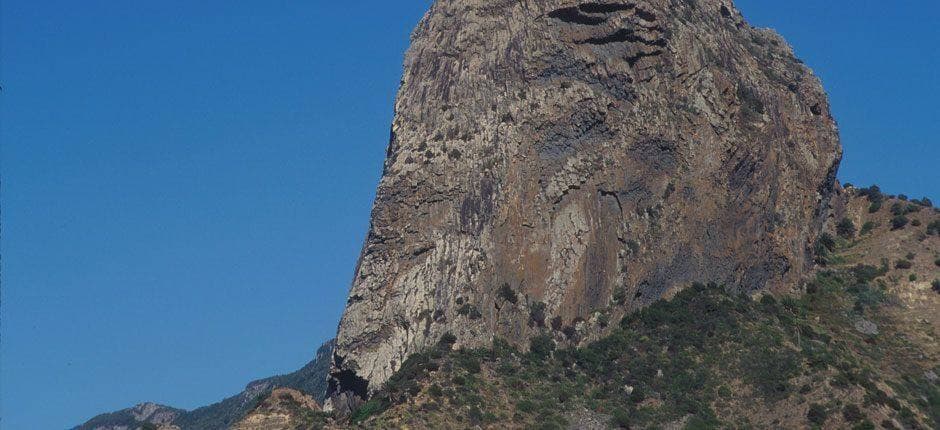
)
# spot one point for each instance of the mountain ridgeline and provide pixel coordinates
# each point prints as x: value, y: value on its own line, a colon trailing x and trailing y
x: 555, y: 157
x: 223, y: 415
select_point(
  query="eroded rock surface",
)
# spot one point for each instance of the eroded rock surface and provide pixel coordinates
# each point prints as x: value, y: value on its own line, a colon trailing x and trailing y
x: 555, y: 164
x: 283, y: 409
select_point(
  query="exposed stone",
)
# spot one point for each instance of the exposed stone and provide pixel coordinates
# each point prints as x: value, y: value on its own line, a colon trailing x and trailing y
x: 865, y: 326
x: 555, y: 154
x: 283, y: 409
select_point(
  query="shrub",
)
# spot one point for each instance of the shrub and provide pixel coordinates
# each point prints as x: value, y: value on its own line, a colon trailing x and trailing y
x: 470, y: 311
x: 526, y: 406
x: 936, y: 286
x: 904, y: 208
x: 899, y: 222
x: 872, y: 192
x: 874, y: 196
x: 368, y: 409
x: 867, y: 228
x: 937, y: 262
x: 846, y: 228
x: 817, y: 414
x: 620, y: 419
x: 537, y: 314
x: 865, y: 273
x: 865, y: 425
x: 903, y: 264
x: 933, y: 227
x: 541, y: 347
x: 506, y: 293
x: 915, y: 223
x: 852, y: 413
x: 824, y: 245
x: 447, y: 341
x: 469, y: 362
x: 827, y: 241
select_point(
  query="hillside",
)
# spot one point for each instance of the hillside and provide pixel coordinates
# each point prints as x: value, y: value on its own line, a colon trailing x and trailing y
x: 853, y: 347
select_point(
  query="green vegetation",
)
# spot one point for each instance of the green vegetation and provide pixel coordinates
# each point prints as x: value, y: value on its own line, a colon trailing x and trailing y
x: 846, y: 228
x: 898, y: 222
x: 901, y: 209
x: 934, y: 227
x: 867, y: 228
x: 874, y: 196
x: 824, y: 248
x: 674, y: 361
x: 506, y: 293
x: 817, y: 414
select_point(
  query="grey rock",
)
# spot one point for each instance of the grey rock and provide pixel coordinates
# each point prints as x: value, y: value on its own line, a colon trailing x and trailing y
x: 559, y: 153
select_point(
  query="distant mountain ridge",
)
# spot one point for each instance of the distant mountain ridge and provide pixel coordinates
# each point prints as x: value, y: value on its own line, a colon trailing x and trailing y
x: 310, y: 379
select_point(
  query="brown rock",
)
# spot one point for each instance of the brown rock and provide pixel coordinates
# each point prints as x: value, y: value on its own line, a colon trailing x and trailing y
x: 284, y: 409
x: 567, y: 153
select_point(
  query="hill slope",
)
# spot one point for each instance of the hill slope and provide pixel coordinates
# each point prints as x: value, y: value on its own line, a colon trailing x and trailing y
x: 855, y: 346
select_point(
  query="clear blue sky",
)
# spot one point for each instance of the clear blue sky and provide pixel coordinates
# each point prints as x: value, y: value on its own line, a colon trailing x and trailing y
x: 186, y: 185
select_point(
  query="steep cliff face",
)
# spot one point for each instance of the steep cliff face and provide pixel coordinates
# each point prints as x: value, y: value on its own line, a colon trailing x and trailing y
x: 557, y: 163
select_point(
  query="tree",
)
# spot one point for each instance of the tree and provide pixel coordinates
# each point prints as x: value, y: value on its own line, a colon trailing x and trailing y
x: 899, y: 222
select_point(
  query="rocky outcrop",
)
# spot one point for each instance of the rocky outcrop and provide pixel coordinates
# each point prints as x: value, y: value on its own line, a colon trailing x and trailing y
x: 283, y: 409
x: 554, y: 164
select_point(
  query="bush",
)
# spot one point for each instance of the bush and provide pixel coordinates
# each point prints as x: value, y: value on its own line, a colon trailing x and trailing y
x: 873, y: 193
x: 865, y: 425
x: 867, y: 228
x: 913, y: 277
x: 933, y: 227
x: 903, y: 264
x: 936, y: 286
x: 506, y: 293
x: 447, y: 341
x: 541, y: 347
x: 537, y: 314
x: 368, y: 409
x: 470, y: 311
x: 874, y: 196
x: 817, y: 414
x: 937, y: 262
x: 899, y: 222
x: 824, y: 245
x: 827, y: 241
x: 846, y: 228
x: 620, y: 419
x: 852, y: 413
x: 915, y: 223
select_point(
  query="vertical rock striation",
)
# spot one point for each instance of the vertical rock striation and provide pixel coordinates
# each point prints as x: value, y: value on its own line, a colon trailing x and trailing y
x: 554, y: 163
